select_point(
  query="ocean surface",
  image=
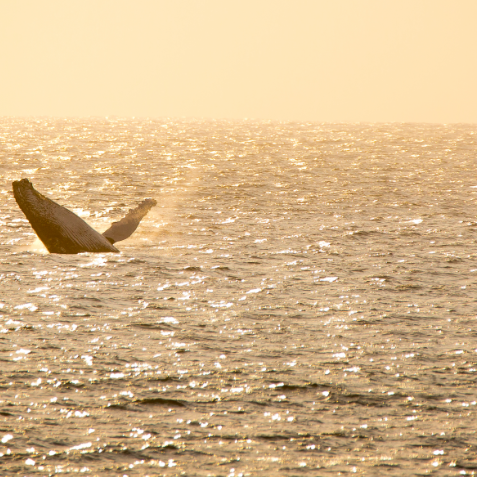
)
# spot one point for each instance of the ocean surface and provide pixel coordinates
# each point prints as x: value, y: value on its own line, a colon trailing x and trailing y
x: 301, y: 301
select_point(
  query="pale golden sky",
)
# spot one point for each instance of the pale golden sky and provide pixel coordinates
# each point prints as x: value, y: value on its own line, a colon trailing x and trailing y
x: 333, y: 60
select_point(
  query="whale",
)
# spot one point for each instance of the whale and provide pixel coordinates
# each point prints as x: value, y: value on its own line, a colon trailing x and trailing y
x: 62, y: 231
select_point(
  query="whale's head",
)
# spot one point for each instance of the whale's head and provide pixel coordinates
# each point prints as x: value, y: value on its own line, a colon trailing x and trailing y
x: 26, y: 196
x: 23, y: 186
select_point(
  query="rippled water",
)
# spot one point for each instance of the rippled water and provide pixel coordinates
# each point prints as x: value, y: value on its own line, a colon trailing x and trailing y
x: 300, y: 302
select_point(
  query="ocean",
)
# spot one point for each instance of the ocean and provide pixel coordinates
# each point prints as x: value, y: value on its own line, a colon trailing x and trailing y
x: 301, y: 301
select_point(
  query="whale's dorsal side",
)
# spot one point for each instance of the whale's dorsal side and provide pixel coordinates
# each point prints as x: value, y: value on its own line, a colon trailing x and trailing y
x: 58, y: 228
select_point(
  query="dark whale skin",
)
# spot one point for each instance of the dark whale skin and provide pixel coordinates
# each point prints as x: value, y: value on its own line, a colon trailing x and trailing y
x: 58, y: 228
x: 122, y: 229
x: 62, y: 231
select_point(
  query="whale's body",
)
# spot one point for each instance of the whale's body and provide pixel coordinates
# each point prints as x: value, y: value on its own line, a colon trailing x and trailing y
x: 62, y: 231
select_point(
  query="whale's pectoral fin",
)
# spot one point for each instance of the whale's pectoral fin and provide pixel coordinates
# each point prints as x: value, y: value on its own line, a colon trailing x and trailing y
x: 126, y: 226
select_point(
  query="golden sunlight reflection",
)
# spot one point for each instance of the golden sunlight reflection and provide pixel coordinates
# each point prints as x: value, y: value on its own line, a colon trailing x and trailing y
x: 268, y: 315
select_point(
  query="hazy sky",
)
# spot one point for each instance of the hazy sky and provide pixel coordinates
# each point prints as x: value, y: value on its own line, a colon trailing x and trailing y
x: 333, y: 60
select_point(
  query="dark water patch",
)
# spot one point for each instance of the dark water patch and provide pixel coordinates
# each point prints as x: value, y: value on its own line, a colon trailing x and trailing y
x: 151, y: 326
x: 276, y: 437
x: 67, y: 384
x: 408, y: 287
x: 160, y: 402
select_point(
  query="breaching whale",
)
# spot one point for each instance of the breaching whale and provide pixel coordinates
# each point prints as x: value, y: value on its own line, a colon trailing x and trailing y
x: 62, y: 231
